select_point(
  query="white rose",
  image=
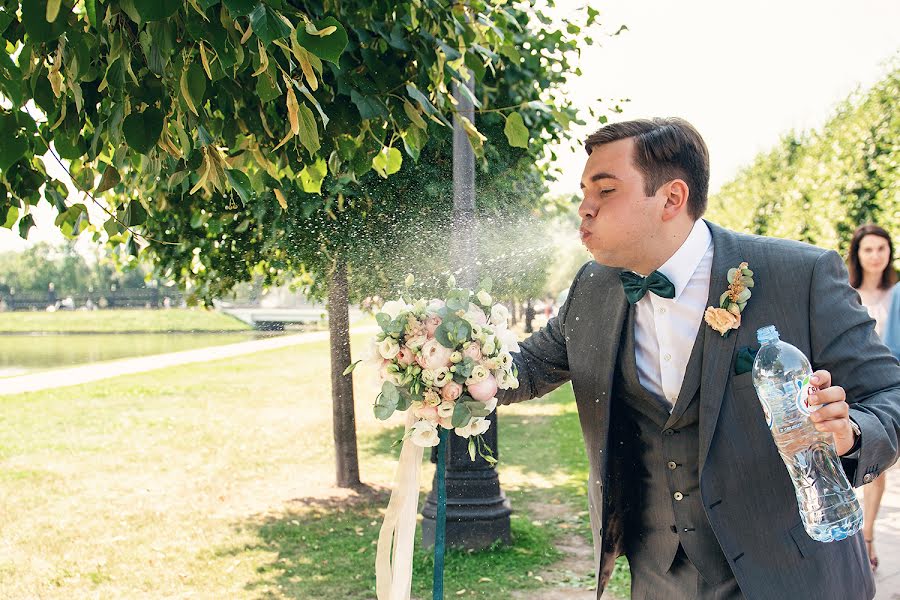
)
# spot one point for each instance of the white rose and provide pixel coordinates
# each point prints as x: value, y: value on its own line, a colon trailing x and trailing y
x: 508, y: 340
x: 475, y: 426
x: 394, y: 308
x: 491, y: 404
x: 505, y: 359
x: 499, y: 316
x: 388, y: 348
x: 479, y: 373
x: 475, y: 315
x: 484, y: 298
x: 434, y: 355
x: 424, y: 434
x: 477, y: 332
x: 445, y: 409
x: 427, y: 376
x: 442, y: 376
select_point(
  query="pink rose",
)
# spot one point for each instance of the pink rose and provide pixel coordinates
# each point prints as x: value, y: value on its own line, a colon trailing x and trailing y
x: 451, y: 391
x: 405, y: 357
x: 433, y: 355
x: 484, y: 390
x: 431, y: 324
x: 427, y: 412
x: 473, y: 351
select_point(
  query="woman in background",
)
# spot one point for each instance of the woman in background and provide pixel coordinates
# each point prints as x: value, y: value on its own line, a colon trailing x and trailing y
x: 872, y: 274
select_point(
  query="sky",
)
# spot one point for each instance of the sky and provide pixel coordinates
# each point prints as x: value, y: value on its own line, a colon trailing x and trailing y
x: 743, y: 73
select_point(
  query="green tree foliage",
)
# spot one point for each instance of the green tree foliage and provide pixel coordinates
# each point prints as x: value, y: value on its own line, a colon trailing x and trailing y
x: 819, y: 186
x: 243, y: 136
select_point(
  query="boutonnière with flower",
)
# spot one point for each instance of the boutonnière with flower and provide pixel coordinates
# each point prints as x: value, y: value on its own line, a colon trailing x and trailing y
x: 732, y: 302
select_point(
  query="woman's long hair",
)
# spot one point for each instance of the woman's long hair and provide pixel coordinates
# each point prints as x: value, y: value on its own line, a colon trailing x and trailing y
x: 889, y: 275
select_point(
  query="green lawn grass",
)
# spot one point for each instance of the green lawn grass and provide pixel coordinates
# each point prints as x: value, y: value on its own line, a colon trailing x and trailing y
x: 214, y: 481
x: 111, y: 321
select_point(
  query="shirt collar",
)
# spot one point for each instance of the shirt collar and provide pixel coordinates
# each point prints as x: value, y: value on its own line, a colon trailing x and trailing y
x: 681, y: 266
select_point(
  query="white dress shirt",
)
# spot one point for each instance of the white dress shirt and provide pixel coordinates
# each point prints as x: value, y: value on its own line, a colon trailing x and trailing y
x: 665, y: 329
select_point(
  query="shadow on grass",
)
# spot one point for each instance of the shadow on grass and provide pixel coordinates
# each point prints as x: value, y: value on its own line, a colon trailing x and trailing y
x: 325, y: 548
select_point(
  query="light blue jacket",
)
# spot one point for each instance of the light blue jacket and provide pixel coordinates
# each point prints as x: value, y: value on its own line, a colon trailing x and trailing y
x: 892, y: 326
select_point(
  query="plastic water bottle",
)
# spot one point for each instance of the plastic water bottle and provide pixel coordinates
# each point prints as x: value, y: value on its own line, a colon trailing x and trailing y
x: 828, y: 506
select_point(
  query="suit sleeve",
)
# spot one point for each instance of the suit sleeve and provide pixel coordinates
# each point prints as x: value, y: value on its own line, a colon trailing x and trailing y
x: 843, y: 342
x: 543, y: 360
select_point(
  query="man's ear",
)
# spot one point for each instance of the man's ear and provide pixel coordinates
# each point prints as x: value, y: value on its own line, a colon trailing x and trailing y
x: 676, y: 193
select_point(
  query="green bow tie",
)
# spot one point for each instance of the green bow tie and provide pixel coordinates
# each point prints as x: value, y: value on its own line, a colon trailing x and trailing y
x: 636, y: 286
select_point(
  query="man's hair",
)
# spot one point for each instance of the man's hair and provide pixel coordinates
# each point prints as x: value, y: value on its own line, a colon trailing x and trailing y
x: 664, y: 149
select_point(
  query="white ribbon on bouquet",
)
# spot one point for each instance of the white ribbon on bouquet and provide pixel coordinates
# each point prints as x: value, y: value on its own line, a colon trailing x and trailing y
x: 393, y: 560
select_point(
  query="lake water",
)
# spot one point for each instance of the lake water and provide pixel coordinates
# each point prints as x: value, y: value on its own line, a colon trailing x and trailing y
x: 20, y: 354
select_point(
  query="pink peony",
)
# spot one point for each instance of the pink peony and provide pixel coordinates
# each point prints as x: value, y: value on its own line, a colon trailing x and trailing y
x: 431, y: 324
x: 405, y: 357
x: 473, y: 351
x: 483, y: 390
x: 434, y: 355
x: 451, y: 391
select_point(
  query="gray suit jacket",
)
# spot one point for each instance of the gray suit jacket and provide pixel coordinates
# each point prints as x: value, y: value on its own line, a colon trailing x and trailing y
x: 746, y: 491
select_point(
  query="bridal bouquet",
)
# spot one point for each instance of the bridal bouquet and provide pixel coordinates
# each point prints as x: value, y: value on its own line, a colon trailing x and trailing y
x: 444, y: 360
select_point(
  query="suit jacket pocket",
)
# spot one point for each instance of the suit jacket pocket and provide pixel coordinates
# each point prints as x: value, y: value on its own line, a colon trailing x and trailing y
x: 805, y: 544
x: 741, y: 383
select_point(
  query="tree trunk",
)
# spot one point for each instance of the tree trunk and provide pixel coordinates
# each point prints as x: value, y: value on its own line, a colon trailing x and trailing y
x: 512, y: 313
x: 529, y: 316
x: 344, y: 419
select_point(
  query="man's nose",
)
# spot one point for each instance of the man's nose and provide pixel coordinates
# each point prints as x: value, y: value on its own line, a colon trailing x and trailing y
x: 587, y: 210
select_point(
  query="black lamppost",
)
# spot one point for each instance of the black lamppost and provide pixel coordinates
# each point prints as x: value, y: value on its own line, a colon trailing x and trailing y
x: 477, y: 510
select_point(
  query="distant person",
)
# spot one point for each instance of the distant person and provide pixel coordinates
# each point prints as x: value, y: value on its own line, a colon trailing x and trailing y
x: 872, y: 274
x: 51, y: 295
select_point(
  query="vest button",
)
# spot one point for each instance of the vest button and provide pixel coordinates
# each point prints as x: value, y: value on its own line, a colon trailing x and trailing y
x: 678, y: 496
x: 671, y: 465
x: 668, y: 432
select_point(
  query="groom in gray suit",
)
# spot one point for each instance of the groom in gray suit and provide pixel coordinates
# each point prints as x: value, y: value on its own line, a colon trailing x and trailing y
x: 685, y: 479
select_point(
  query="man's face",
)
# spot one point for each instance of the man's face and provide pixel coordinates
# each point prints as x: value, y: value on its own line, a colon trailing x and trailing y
x: 618, y: 221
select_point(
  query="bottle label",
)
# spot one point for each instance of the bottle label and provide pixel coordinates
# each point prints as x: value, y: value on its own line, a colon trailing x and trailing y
x: 803, y: 389
x: 767, y: 412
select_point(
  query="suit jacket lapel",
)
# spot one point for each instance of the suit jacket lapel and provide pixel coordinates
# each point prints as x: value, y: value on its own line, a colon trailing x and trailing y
x: 608, y: 335
x: 718, y: 351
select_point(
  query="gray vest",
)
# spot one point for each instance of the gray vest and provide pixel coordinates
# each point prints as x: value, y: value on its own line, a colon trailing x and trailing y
x: 665, y: 508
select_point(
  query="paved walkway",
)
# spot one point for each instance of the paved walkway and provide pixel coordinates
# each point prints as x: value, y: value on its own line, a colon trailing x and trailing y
x: 887, y: 540
x: 95, y: 371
